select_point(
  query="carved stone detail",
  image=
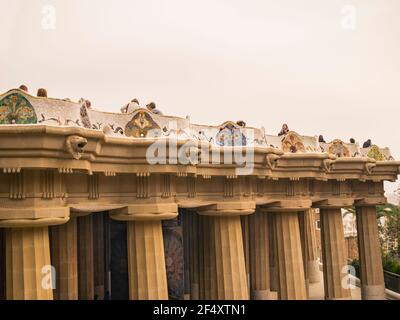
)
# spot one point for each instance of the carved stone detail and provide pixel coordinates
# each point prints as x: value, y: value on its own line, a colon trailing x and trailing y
x: 47, y: 184
x: 75, y: 145
x: 93, y: 186
x: 17, y: 186
x: 143, y: 185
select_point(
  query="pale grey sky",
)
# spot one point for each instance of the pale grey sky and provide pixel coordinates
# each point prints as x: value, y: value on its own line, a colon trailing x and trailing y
x: 263, y: 61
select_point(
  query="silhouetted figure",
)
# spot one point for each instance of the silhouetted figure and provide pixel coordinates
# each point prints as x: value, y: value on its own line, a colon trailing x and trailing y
x: 23, y: 87
x: 367, y: 143
x: 42, y: 93
x: 352, y: 140
x: 88, y: 104
x: 131, y: 106
x: 284, y: 130
x: 321, y: 139
x: 241, y: 123
x: 152, y: 108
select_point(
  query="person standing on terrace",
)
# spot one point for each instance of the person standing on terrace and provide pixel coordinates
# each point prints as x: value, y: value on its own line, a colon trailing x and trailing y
x: 131, y: 106
x: 23, y: 88
x: 152, y: 108
x: 284, y: 130
x: 42, y: 93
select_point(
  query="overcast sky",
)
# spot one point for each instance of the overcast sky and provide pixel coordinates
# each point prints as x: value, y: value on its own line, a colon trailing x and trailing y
x: 317, y: 65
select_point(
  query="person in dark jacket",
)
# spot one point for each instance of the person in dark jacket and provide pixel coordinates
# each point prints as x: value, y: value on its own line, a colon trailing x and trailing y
x: 367, y: 144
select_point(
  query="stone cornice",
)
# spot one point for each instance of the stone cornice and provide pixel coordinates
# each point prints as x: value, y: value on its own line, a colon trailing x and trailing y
x: 45, y: 147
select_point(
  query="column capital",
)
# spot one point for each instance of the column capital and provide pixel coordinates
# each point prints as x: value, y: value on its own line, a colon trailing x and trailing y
x: 333, y: 203
x: 143, y: 212
x: 228, y: 209
x: 370, y: 201
x: 292, y: 205
x: 33, y: 217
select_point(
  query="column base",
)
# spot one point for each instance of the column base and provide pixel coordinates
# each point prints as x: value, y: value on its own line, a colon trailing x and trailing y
x: 194, y: 293
x: 369, y: 292
x: 264, y: 295
x: 314, y: 275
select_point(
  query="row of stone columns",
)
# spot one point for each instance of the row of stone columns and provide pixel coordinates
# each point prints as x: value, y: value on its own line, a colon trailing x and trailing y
x: 263, y: 256
x: 281, y: 249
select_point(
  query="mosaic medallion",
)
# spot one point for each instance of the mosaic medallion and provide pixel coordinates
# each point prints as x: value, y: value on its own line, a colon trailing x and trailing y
x: 292, y: 143
x: 16, y: 109
x: 338, y: 148
x: 375, y: 153
x: 140, y: 125
x: 230, y: 135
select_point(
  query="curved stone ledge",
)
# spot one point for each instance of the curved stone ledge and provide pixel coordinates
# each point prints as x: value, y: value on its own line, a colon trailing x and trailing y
x: 18, y: 108
x: 33, y: 223
x: 33, y: 213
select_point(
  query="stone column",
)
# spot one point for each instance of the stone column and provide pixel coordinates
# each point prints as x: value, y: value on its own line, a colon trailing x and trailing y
x: 246, y: 246
x: 290, y: 261
x: 28, y: 266
x: 230, y: 263
x: 259, y: 257
x: 85, y: 258
x: 194, y: 255
x: 99, y: 256
x: 209, y: 259
x: 311, y: 252
x: 146, y: 258
x: 146, y: 261
x: 64, y: 257
x: 304, y: 244
x: 200, y: 247
x: 333, y: 254
x: 2, y: 265
x: 273, y: 255
x: 371, y: 270
x: 186, y: 218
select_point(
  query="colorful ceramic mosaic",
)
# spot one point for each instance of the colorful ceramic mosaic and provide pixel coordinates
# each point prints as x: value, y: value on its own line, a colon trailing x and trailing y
x: 85, y: 117
x: 140, y: 125
x: 375, y: 153
x: 337, y: 148
x: 230, y: 135
x: 16, y: 109
x: 292, y: 143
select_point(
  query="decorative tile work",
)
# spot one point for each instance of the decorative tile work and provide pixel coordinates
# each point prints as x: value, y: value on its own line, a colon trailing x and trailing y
x: 140, y: 125
x: 338, y: 148
x: 379, y: 154
x: 85, y: 117
x: 230, y: 135
x: 16, y: 109
x: 292, y: 143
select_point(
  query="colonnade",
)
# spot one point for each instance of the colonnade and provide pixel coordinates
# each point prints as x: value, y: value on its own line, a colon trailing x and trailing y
x: 260, y: 255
